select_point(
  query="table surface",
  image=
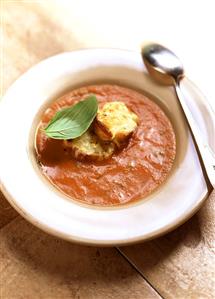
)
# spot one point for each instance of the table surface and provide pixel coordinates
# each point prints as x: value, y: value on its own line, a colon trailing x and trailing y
x: 35, y: 265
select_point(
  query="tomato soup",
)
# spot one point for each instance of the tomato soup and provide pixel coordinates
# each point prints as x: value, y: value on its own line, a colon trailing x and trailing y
x: 131, y: 173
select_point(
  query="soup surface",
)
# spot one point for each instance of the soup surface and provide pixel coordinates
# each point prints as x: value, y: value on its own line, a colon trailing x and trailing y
x: 131, y: 173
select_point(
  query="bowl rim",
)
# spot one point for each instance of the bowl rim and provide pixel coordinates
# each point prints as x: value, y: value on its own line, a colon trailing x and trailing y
x: 103, y: 243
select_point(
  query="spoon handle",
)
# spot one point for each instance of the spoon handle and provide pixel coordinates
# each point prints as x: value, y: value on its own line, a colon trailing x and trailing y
x: 205, y: 152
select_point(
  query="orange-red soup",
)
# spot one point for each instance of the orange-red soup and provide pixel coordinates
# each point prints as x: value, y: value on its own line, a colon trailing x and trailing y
x: 129, y: 174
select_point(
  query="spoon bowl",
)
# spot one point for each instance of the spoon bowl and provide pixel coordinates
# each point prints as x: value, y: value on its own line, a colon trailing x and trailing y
x: 162, y: 64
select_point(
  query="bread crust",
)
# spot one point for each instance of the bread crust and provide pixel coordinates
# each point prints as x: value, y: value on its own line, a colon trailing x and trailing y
x: 115, y: 122
x: 89, y: 147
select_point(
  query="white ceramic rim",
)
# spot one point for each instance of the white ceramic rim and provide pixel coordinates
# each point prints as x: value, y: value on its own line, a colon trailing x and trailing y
x: 112, y: 57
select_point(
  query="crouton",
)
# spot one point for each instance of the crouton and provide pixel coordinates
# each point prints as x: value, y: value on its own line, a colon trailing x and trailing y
x: 89, y: 147
x: 115, y: 122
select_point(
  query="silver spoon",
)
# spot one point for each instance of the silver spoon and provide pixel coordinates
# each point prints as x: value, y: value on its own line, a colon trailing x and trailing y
x: 163, y: 65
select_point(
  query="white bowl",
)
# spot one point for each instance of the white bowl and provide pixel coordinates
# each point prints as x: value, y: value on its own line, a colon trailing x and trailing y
x: 30, y: 194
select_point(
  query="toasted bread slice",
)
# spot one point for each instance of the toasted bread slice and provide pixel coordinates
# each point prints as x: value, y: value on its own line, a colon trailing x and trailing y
x: 115, y: 122
x: 89, y: 147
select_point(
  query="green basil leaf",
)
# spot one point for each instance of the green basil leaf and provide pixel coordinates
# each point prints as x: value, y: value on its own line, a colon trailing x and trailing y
x: 72, y: 122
